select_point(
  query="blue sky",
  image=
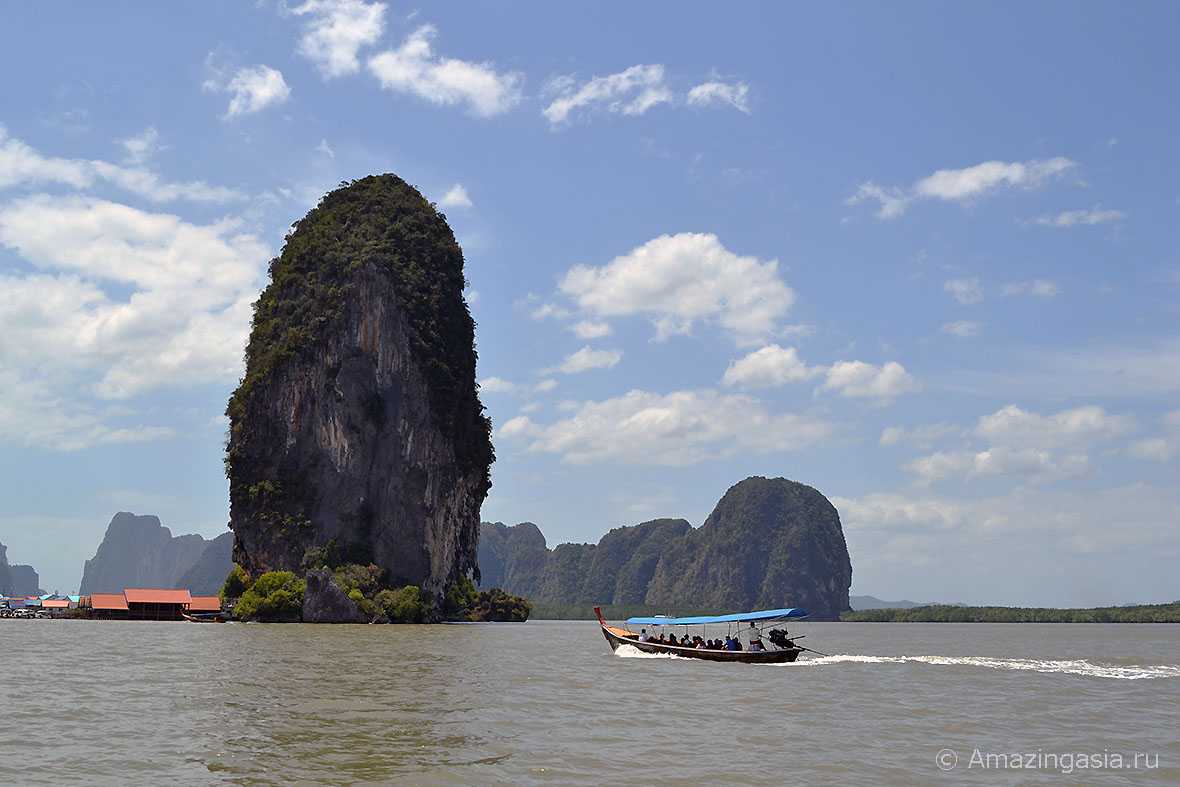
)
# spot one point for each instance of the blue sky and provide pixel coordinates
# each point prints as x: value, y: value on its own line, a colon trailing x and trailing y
x: 924, y: 259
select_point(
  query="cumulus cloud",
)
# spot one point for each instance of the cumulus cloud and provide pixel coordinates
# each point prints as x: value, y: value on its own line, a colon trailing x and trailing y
x: 713, y: 93
x: 22, y: 165
x: 1038, y: 288
x: 768, y: 367
x: 251, y: 89
x: 680, y: 280
x: 865, y: 380
x: 1156, y: 449
x: 415, y: 69
x: 1079, y: 425
x: 1082, y: 218
x: 924, y: 435
x: 965, y: 291
x: 887, y: 511
x: 591, y: 329
x: 961, y: 185
x: 588, y: 358
x: 679, y: 428
x: 336, y: 30
x: 496, y: 385
x: 456, y: 197
x: 142, y: 147
x: 629, y: 92
x: 964, y: 329
x: 1035, y: 465
x: 127, y: 299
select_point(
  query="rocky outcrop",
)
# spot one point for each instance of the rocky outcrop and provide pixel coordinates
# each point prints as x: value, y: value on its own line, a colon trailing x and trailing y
x: 138, y: 551
x: 25, y: 581
x: 357, y: 431
x: 325, y: 602
x: 769, y: 542
x: 5, y: 573
x: 208, y: 574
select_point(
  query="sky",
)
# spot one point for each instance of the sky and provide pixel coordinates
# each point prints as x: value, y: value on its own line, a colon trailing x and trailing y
x: 922, y: 258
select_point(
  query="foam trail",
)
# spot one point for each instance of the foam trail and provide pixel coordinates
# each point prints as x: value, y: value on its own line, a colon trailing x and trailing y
x: 1067, y: 667
x: 632, y: 652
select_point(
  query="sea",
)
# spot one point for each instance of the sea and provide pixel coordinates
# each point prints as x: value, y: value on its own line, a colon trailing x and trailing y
x: 547, y: 702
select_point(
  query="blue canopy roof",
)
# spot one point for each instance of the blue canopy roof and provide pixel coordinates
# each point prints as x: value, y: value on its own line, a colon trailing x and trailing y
x: 737, y: 617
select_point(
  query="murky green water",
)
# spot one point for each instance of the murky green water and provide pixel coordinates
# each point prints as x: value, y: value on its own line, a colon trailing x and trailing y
x: 546, y: 702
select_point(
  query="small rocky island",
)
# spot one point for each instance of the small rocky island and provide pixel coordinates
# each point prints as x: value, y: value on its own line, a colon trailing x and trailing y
x: 359, y: 453
x: 769, y: 543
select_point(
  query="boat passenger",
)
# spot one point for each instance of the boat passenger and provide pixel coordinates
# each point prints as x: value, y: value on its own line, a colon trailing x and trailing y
x: 643, y: 635
x: 756, y: 646
x: 730, y: 643
x: 700, y: 644
x: 660, y: 639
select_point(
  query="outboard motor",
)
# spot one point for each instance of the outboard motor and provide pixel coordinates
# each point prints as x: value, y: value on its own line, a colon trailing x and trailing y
x: 779, y: 638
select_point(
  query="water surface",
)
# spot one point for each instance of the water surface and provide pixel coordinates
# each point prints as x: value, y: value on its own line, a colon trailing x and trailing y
x: 547, y: 702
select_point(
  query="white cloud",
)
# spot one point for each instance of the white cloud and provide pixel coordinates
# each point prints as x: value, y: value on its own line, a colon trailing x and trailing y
x: 251, y: 89
x: 679, y: 428
x: 21, y: 165
x: 589, y: 329
x: 336, y: 30
x: 142, y: 147
x: 518, y: 426
x: 1157, y: 449
x: 629, y: 92
x: 966, y: 291
x: 679, y: 280
x: 961, y: 185
x: 865, y: 380
x: 925, y: 435
x: 325, y: 148
x: 887, y: 511
x: 713, y: 92
x: 413, y: 68
x: 456, y: 197
x: 496, y: 385
x: 1038, y: 466
x: 545, y: 386
x: 1074, y: 218
x: 770, y: 366
x: 124, y: 299
x: 1039, y: 288
x: 891, y: 200
x: 962, y: 328
x: 587, y: 358
x: 1080, y: 425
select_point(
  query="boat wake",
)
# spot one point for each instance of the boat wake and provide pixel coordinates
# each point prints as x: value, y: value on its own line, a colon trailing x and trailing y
x: 632, y: 652
x: 1068, y: 667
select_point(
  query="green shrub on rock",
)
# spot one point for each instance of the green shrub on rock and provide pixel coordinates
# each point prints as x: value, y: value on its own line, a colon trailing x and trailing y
x: 276, y: 596
x: 237, y: 583
x: 405, y: 605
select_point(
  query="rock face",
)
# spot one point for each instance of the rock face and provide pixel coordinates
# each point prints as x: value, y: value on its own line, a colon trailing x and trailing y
x: 208, y: 574
x: 137, y: 551
x: 768, y: 543
x: 357, y: 429
x: 325, y: 602
x: 17, y: 580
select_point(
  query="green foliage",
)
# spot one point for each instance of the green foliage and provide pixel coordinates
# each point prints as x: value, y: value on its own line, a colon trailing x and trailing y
x: 236, y: 583
x: 497, y: 606
x: 405, y: 605
x: 365, y: 580
x: 944, y: 613
x: 382, y: 222
x: 460, y: 597
x: 274, y: 596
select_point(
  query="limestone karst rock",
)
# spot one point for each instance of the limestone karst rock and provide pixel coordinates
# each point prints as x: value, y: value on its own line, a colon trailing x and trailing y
x: 357, y: 429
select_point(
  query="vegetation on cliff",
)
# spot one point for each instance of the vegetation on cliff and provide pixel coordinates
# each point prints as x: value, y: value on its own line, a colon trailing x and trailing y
x: 276, y: 596
x: 944, y: 613
x: 769, y: 542
x: 382, y: 220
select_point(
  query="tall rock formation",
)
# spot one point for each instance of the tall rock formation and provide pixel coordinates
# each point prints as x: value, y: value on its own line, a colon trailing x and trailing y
x: 138, y: 551
x: 357, y: 429
x: 768, y: 543
x: 5, y: 573
x: 207, y: 575
x: 25, y: 581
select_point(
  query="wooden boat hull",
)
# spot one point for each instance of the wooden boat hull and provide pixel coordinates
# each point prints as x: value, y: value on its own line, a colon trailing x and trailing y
x: 617, y: 637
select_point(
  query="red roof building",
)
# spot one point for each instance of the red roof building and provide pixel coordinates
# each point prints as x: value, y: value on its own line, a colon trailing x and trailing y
x: 156, y: 596
x: 109, y: 602
x: 205, y: 604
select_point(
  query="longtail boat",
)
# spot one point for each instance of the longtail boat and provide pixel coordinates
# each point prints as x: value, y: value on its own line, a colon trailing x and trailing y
x: 781, y: 648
